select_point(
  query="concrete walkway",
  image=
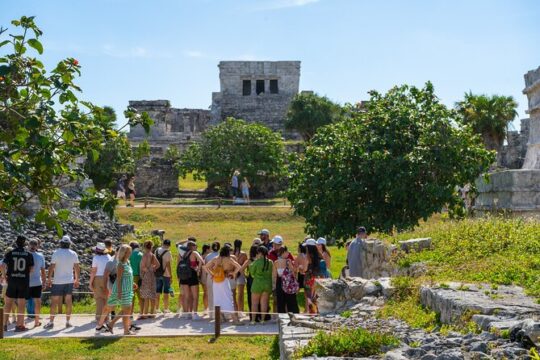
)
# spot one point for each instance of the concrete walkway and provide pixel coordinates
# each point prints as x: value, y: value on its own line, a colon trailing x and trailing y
x: 164, y: 325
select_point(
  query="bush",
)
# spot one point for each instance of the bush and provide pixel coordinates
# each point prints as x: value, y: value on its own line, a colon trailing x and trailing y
x: 346, y: 342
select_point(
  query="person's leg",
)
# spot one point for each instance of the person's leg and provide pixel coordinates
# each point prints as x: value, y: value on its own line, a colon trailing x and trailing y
x: 264, y: 302
x: 152, y: 307
x: 194, y: 298
x: 255, y: 301
x: 159, y: 289
x: 280, y: 297
x: 144, y: 307
x: 240, y: 297
x: 37, y: 311
x: 54, y: 306
x: 186, y: 304
x: 69, y: 307
x: 126, y: 320
x: 21, y: 305
x: 8, y: 305
x: 166, y: 286
x: 205, y: 296
x: 235, y: 303
x: 210, y: 291
x: 180, y: 298
x: 104, y: 315
x: 292, y: 303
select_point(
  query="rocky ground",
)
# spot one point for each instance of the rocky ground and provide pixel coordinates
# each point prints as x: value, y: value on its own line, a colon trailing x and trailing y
x: 85, y: 228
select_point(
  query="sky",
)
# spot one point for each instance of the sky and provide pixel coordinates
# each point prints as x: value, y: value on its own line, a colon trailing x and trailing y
x: 170, y: 49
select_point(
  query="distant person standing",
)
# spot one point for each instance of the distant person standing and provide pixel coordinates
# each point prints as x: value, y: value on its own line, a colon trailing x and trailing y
x: 17, y: 265
x: 135, y: 262
x: 355, y: 253
x: 245, y: 189
x: 209, y: 280
x: 163, y: 274
x: 130, y: 191
x: 98, y: 282
x: 62, y: 278
x: 121, y: 187
x: 37, y: 280
x: 264, y: 235
x: 234, y: 185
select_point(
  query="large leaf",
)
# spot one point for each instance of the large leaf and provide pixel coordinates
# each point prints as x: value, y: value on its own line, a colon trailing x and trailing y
x: 36, y: 45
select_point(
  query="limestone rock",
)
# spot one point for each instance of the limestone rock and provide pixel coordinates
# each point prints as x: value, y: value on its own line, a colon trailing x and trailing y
x: 415, y: 245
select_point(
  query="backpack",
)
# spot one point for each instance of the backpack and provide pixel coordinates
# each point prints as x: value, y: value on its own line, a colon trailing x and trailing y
x: 112, y: 273
x: 160, y: 270
x: 288, y: 281
x: 183, y: 269
x: 219, y: 274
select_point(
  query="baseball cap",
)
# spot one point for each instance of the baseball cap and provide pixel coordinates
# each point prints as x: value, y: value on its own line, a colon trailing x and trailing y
x: 167, y: 242
x: 277, y: 240
x: 321, y: 241
x: 309, y: 241
x: 100, y: 247
x: 264, y: 232
x: 65, y: 239
x: 361, y: 230
x: 182, y: 249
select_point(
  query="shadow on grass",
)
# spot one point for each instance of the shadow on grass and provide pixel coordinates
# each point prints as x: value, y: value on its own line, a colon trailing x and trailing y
x: 99, y: 343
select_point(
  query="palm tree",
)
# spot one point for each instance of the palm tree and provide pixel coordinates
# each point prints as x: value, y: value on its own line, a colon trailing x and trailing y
x: 489, y: 116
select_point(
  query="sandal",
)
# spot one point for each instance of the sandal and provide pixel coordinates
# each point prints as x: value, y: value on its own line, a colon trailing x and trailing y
x: 109, y: 328
x: 37, y: 325
x: 128, y: 333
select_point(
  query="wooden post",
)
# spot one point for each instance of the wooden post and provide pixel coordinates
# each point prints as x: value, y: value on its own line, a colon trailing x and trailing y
x: 219, y: 203
x: 217, y: 318
x: 3, y: 322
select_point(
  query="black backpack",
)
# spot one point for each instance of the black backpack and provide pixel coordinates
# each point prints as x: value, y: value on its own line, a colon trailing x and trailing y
x: 183, y: 269
x: 160, y: 270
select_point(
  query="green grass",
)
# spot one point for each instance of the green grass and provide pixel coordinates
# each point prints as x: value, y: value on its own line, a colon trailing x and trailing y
x: 256, y: 347
x: 189, y: 183
x: 346, y: 343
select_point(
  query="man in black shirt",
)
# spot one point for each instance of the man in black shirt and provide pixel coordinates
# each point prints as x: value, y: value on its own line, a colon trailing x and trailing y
x: 17, y: 265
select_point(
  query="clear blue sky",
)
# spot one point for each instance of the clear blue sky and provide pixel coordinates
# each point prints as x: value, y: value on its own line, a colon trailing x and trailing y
x: 135, y: 49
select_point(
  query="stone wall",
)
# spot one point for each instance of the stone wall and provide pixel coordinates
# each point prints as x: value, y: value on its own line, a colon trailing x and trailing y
x: 156, y: 177
x: 268, y: 108
x: 512, y: 155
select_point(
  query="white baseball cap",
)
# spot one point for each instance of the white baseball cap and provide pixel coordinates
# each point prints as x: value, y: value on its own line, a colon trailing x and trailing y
x: 309, y: 241
x: 321, y: 241
x: 277, y: 240
x: 66, y: 239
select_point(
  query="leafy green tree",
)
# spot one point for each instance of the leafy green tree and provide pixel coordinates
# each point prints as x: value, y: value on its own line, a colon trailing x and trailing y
x: 309, y: 111
x: 489, y: 116
x: 387, y: 167
x: 253, y: 149
x: 45, y: 129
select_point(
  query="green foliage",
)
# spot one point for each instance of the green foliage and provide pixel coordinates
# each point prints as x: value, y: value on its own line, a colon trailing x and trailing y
x: 404, y: 287
x: 534, y: 354
x: 253, y: 149
x: 388, y: 166
x: 489, y: 116
x: 411, y: 311
x: 346, y: 342
x: 308, y: 111
x: 172, y: 153
x: 44, y: 128
x: 346, y: 314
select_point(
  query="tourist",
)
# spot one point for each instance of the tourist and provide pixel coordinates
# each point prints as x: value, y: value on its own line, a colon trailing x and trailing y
x: 316, y: 269
x: 245, y: 190
x: 131, y: 191
x: 234, y: 185
x: 98, y: 282
x: 209, y: 281
x: 321, y: 246
x: 261, y: 270
x: 277, y: 243
x: 147, y: 292
x: 256, y: 241
x: 355, y: 253
x: 221, y: 268
x: 121, y: 294
x: 109, y: 247
x: 264, y: 235
x: 249, y: 277
x: 17, y: 265
x: 121, y: 187
x: 188, y: 268
x: 38, y: 278
x: 301, y: 266
x: 241, y: 258
x: 285, y: 283
x: 232, y: 279
x: 203, y: 278
x: 63, y: 276
x: 135, y: 262
x: 163, y: 274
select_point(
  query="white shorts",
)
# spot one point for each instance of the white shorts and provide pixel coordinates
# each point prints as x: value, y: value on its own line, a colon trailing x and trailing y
x: 120, y: 194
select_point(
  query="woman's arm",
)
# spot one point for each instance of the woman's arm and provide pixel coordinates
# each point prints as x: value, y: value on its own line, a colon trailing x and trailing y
x: 274, y: 277
x: 92, y: 276
x: 200, y: 261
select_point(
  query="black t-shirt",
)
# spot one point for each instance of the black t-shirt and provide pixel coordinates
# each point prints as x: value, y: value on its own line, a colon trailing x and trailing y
x: 19, y: 262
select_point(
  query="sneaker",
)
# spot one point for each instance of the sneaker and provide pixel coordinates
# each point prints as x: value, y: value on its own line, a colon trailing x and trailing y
x: 49, y: 325
x: 134, y: 327
x: 102, y: 329
x: 166, y: 311
x: 195, y: 317
x: 21, y: 328
x: 68, y: 324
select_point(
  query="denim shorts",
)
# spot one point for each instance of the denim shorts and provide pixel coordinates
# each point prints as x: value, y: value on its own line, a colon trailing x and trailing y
x: 163, y: 284
x: 62, y: 289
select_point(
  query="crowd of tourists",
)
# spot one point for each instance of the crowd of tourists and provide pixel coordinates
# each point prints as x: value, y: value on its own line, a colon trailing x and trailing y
x: 267, y: 273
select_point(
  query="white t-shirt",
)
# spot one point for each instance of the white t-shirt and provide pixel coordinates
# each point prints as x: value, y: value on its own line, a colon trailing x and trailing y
x: 100, y: 262
x: 64, y: 259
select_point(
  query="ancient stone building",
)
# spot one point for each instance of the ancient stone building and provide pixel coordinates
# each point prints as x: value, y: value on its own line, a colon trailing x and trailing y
x: 176, y: 127
x: 257, y: 91
x: 512, y: 155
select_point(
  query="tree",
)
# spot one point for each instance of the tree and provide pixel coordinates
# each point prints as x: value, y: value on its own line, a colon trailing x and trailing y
x: 45, y: 129
x: 308, y: 111
x: 253, y: 149
x: 489, y: 116
x: 387, y: 167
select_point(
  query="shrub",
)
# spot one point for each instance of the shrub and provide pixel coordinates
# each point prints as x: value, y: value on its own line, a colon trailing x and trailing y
x: 346, y: 342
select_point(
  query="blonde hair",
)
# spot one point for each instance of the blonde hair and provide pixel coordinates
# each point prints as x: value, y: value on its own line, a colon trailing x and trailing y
x: 123, y: 253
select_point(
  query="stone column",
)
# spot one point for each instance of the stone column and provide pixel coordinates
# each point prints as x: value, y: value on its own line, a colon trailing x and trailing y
x: 532, y: 90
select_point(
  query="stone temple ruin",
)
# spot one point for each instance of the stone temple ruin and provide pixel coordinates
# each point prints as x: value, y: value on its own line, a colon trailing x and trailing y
x: 517, y: 189
x: 256, y: 91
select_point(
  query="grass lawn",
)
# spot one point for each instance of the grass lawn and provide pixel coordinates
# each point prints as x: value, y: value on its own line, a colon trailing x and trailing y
x: 189, y: 183
x: 256, y: 347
